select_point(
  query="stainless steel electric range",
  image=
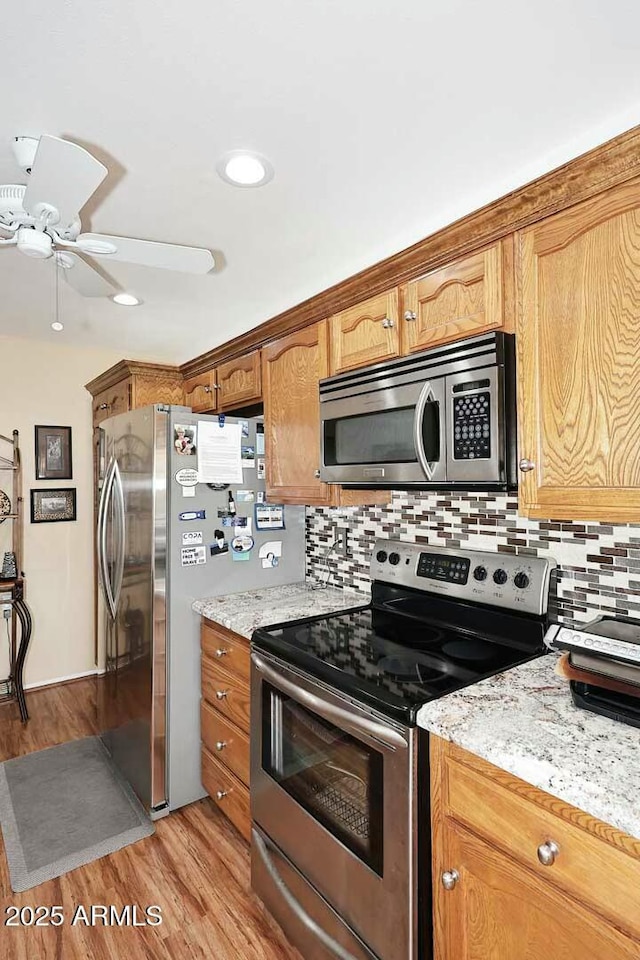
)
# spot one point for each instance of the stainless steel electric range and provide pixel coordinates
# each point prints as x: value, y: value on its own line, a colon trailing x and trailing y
x: 339, y: 771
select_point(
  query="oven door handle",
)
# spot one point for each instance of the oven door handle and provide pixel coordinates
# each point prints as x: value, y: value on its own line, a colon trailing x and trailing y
x: 379, y: 731
x: 427, y: 395
x: 296, y: 908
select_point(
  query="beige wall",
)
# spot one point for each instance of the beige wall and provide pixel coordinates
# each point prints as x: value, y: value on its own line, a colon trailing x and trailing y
x: 43, y: 383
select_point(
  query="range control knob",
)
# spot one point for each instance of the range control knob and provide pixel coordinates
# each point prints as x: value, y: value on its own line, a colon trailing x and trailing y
x: 480, y: 573
x: 500, y: 576
x: 381, y: 556
x: 521, y: 580
x: 394, y: 559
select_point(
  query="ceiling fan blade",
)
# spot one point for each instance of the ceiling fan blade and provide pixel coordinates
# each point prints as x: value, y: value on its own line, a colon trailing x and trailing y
x: 83, y: 277
x: 167, y: 256
x: 64, y: 176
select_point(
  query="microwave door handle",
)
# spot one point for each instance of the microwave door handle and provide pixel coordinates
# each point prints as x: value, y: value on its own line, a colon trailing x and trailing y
x: 328, y: 942
x: 426, y: 396
x: 328, y: 711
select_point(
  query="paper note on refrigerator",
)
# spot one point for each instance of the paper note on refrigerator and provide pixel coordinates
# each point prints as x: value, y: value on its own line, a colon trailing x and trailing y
x: 219, y: 452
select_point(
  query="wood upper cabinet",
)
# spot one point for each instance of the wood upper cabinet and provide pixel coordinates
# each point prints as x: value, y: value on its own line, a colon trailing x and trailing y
x: 291, y: 370
x: 459, y: 300
x: 578, y: 342
x: 200, y: 393
x: 494, y: 897
x: 366, y: 333
x: 240, y: 381
x: 131, y: 384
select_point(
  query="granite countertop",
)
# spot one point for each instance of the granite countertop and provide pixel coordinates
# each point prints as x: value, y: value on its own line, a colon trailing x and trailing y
x: 524, y: 721
x: 245, y: 612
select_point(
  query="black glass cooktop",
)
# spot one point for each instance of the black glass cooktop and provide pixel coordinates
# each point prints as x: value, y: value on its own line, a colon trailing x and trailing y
x: 395, y: 660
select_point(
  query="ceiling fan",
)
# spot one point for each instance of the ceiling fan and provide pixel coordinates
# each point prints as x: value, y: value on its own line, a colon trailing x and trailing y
x: 41, y: 218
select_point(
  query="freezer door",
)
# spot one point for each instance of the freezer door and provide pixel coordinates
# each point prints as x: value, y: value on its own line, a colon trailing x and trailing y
x: 130, y: 530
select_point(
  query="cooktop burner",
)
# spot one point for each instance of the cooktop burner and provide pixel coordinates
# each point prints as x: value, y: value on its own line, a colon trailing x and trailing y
x: 427, y: 631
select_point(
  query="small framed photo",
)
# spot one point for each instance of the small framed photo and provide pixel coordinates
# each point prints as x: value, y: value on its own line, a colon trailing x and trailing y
x: 51, y: 506
x: 53, y: 453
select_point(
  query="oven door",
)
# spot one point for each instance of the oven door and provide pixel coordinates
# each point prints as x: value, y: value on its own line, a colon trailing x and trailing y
x: 389, y: 435
x: 332, y: 789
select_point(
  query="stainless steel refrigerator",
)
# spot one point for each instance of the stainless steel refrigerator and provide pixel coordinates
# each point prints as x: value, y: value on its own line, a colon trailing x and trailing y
x: 161, y: 543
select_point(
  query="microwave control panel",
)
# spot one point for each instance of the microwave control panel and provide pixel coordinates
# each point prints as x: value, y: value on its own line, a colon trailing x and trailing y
x: 471, y: 426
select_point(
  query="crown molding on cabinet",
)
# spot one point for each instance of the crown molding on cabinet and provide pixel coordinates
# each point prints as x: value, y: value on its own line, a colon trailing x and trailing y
x: 606, y: 166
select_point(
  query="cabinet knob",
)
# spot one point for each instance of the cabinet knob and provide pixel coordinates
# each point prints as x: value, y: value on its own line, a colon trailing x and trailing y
x: 526, y: 465
x: 449, y: 879
x: 221, y: 794
x: 317, y: 474
x: 207, y: 388
x: 387, y: 323
x: 221, y: 652
x: 104, y: 406
x: 220, y: 744
x: 547, y: 853
x: 221, y: 694
x: 410, y: 315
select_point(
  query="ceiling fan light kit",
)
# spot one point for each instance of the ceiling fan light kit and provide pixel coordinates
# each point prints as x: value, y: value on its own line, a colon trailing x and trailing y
x: 41, y: 218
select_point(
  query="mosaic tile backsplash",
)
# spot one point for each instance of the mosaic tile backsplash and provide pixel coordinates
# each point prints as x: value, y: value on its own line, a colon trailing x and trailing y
x: 598, y: 563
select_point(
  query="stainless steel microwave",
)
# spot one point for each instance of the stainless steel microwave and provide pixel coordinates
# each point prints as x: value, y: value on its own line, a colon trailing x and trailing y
x: 443, y: 418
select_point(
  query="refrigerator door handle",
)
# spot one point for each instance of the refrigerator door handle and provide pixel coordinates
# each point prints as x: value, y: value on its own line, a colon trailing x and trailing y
x: 118, y: 499
x: 105, y: 500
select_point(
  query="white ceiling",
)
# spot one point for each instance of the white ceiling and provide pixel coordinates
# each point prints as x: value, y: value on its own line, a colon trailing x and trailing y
x: 383, y: 122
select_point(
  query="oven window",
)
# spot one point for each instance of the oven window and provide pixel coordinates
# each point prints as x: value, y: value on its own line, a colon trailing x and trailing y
x: 335, y: 777
x: 382, y: 437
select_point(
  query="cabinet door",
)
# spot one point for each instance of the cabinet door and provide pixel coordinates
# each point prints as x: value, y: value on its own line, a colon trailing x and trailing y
x: 459, y: 300
x: 292, y: 368
x: 200, y: 393
x: 239, y: 381
x: 115, y: 400
x: 365, y: 333
x: 578, y: 341
x: 501, y: 911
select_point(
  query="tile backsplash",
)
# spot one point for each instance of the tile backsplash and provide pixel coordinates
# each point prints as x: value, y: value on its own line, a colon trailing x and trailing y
x: 598, y: 563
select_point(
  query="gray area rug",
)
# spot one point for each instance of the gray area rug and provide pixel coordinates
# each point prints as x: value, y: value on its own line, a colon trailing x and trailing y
x: 63, y: 807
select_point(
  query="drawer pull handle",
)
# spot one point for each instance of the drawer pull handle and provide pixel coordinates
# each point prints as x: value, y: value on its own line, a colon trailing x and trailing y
x: 221, y: 744
x: 221, y: 694
x: 449, y: 879
x: 547, y: 853
x: 221, y: 794
x: 221, y: 652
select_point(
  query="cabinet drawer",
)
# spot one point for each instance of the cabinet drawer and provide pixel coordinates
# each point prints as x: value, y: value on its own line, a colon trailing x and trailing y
x: 226, y: 742
x: 227, y: 648
x: 227, y: 693
x: 584, y: 866
x: 226, y: 791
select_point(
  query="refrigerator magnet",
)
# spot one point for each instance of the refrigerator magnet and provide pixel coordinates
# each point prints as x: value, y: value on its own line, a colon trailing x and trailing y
x: 260, y: 471
x: 188, y: 491
x: 260, y: 439
x: 269, y: 516
x: 248, y: 454
x: 192, y: 556
x: 240, y: 557
x: 192, y: 515
x: 184, y: 439
x: 245, y: 496
x: 219, y: 545
x: 187, y: 477
x: 245, y: 427
x: 270, y: 553
x: 242, y: 543
x: 261, y: 496
x: 192, y: 538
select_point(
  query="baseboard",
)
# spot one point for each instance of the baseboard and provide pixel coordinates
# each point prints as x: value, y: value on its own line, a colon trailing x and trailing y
x: 60, y: 680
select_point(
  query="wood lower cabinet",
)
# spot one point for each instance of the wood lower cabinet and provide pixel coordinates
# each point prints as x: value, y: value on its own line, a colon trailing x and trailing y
x: 366, y: 333
x: 578, y: 343
x: 519, y: 875
x: 240, y: 381
x: 463, y: 299
x: 224, y: 722
x: 201, y: 392
x: 291, y: 370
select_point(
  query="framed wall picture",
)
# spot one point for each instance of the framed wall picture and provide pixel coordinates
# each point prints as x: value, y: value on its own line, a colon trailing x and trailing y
x: 51, y: 506
x: 53, y: 453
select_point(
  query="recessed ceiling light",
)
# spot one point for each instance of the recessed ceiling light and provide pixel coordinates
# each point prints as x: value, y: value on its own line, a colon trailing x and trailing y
x: 242, y: 168
x: 125, y: 299
x: 57, y: 326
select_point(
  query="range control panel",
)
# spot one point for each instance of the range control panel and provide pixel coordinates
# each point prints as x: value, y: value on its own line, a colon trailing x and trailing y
x: 501, y: 580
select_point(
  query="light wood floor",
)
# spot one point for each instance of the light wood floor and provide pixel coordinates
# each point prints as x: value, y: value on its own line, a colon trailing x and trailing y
x: 195, y: 867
